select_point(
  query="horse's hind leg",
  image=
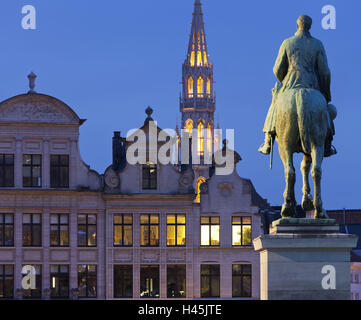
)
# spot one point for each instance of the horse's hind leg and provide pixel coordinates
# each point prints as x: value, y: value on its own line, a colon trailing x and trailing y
x: 289, y: 206
x: 317, y: 158
x: 307, y: 201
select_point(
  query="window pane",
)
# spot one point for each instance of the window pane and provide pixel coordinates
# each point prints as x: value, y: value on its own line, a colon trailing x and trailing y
x: 54, y: 219
x: 128, y: 219
x: 81, y: 219
x: 118, y: 219
x: 9, y: 218
x: 236, y: 235
x: 181, y: 219
x: 247, y: 237
x: 64, y: 235
x: 92, y: 219
x: 205, y: 220
x: 181, y: 235
x: 154, y: 235
x: 128, y: 235
x: 144, y: 235
x: 36, y: 159
x: 26, y: 235
x: 92, y: 235
x: 215, y: 220
x: 214, y: 235
x: 82, y: 236
x: 26, y: 218
x: 171, y: 236
x: 154, y: 219
x: 36, y: 218
x: 54, y: 235
x: 117, y: 235
x: 36, y: 235
x: 246, y: 220
x: 170, y: 219
x: 64, y: 219
x: 205, y: 235
x: 144, y: 219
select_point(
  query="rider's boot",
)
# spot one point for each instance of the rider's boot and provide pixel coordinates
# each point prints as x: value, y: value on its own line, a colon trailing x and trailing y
x: 265, y: 148
x: 330, y: 150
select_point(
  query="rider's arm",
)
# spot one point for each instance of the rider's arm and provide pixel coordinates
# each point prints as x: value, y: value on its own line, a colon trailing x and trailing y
x: 324, y: 74
x: 280, y: 68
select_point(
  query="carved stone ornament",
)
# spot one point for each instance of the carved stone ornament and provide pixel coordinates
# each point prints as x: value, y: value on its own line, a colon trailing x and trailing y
x: 111, y: 179
x: 225, y: 189
x: 36, y: 111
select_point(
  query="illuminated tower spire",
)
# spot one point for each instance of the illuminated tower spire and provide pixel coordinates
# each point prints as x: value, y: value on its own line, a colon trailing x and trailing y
x: 197, y: 101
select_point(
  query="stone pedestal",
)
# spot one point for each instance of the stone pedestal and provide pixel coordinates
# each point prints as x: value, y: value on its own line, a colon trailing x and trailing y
x: 305, y: 259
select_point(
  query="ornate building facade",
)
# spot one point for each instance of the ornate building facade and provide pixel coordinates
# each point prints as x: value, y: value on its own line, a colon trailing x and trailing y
x: 136, y: 231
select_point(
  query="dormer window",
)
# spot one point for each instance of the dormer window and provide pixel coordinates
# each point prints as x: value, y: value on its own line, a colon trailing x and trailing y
x: 149, y: 177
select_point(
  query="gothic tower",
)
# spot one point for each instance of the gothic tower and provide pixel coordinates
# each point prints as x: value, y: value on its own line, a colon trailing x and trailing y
x: 197, y: 101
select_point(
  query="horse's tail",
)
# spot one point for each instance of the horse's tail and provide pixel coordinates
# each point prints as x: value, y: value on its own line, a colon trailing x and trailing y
x: 303, y: 102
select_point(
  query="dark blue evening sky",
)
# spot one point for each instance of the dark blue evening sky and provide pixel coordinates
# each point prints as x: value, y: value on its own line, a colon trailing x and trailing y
x: 110, y: 59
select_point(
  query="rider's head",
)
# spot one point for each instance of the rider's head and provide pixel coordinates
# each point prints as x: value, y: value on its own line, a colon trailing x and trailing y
x: 304, y: 22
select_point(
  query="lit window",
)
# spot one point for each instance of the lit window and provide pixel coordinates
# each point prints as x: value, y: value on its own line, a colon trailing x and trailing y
x: 193, y: 58
x: 189, y: 126
x: 149, y: 230
x: 210, y: 231
x: 201, y: 139
x: 209, y: 138
x: 199, y: 58
x: 205, y: 58
x: 190, y: 87
x: 199, y: 182
x: 209, y: 87
x: 241, y: 231
x: 123, y: 230
x: 200, y: 89
x: 176, y: 230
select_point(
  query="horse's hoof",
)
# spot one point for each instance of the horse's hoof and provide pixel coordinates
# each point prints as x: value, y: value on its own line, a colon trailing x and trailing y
x: 288, y: 210
x: 307, y: 203
x: 320, y: 214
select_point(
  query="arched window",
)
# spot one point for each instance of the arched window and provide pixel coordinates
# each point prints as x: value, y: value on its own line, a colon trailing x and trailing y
x: 190, y: 87
x: 209, y: 138
x: 199, y: 182
x: 199, y: 58
x: 209, y: 87
x: 200, y: 85
x: 201, y: 139
x: 189, y: 126
x: 205, y: 58
x: 193, y: 58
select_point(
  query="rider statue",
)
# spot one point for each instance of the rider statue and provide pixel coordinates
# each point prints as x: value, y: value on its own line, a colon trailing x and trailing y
x: 296, y: 68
